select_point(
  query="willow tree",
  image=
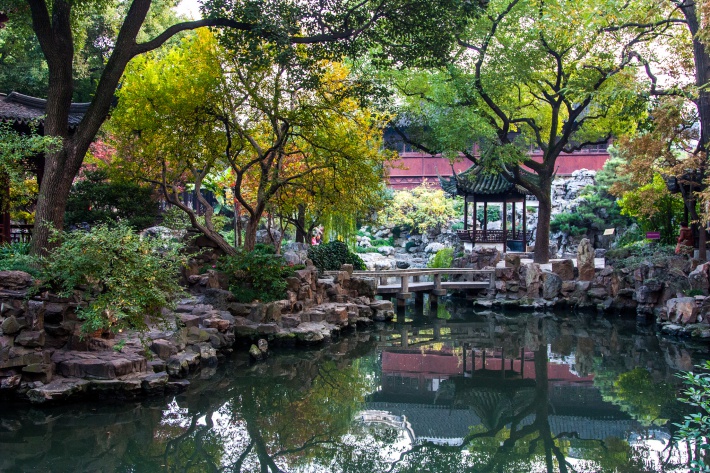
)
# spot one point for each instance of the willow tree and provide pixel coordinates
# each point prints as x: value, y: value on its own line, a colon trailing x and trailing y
x: 546, y: 74
x: 339, y: 26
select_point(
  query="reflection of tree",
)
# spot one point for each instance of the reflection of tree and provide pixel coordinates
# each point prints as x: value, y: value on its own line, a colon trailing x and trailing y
x: 291, y: 411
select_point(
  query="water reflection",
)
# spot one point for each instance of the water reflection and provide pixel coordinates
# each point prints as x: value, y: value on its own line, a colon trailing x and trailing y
x: 478, y: 392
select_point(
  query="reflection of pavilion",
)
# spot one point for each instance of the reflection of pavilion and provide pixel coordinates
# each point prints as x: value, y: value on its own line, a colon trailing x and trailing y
x: 441, y: 382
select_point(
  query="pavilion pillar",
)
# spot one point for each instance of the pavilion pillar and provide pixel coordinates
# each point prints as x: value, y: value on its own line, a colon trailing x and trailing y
x: 465, y: 212
x: 485, y: 220
x: 525, y: 227
x: 474, y: 223
x: 512, y: 219
x: 505, y: 226
x: 5, y: 236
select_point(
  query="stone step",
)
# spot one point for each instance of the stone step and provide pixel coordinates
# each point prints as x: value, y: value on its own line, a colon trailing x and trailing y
x: 98, y: 365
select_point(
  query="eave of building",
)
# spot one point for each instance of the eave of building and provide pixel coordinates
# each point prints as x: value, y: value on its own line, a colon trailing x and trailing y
x: 25, y: 110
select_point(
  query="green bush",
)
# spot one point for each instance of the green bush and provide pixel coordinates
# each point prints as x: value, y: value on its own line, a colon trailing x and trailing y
x: 571, y: 223
x: 493, y: 214
x: 633, y: 255
x: 95, y: 200
x: 383, y: 242
x: 442, y: 259
x: 16, y: 257
x: 331, y: 256
x: 122, y: 277
x: 457, y: 226
x: 256, y: 275
x: 695, y: 428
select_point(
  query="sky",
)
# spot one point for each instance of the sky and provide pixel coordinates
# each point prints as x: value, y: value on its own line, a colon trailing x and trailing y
x: 189, y: 8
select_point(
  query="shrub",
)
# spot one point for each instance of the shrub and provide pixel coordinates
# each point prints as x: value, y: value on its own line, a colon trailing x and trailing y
x: 122, y: 277
x: 16, y: 257
x: 419, y: 209
x: 95, y: 200
x: 331, y: 256
x: 696, y: 427
x: 256, y: 275
x: 442, y: 259
x: 633, y: 255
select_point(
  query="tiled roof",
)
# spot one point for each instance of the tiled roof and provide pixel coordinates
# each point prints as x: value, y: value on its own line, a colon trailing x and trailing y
x: 24, y: 109
x: 474, y: 181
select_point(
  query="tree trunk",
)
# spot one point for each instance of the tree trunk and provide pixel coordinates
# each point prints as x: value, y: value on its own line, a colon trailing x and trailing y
x: 51, y: 205
x: 542, y: 233
x: 702, y: 76
x: 250, y: 232
x: 301, y: 224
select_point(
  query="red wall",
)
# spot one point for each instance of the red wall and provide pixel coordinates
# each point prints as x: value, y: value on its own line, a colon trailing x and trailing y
x: 414, y: 167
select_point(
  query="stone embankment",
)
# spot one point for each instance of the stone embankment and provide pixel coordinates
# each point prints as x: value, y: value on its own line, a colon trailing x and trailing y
x: 45, y: 357
x: 672, y: 290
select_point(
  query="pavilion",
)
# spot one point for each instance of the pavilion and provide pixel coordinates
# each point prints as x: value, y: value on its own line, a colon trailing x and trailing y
x: 476, y: 186
x: 25, y: 115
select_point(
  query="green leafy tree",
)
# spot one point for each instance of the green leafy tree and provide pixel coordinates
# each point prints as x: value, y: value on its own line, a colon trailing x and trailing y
x: 420, y: 209
x: 654, y: 208
x: 342, y: 26
x: 531, y: 74
x: 95, y: 199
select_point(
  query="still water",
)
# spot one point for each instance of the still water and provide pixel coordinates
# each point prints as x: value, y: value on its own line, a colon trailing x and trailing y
x: 458, y: 391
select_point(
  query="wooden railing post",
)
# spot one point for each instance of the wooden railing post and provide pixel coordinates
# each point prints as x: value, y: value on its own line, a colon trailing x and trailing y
x: 437, y: 281
x: 492, y: 276
x: 404, y: 284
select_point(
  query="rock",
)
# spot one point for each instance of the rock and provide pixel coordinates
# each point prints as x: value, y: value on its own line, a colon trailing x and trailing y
x: 30, y: 338
x: 382, y: 310
x: 401, y: 264
x: 682, y: 310
x: 15, y: 280
x: 263, y: 345
x: 10, y: 325
x: 532, y: 280
x: 163, y: 349
x: 512, y: 261
x: 564, y: 269
x: 385, y: 250
x: 698, y: 278
x: 585, y: 260
x: 646, y: 295
x: 551, y: 285
x: 255, y: 353
x: 434, y: 247
x: 217, y: 280
x: 58, y: 389
x: 108, y: 365
x: 348, y: 268
x: 181, y: 364
x: 154, y: 383
x: 292, y: 258
x: 190, y: 320
x: 208, y: 355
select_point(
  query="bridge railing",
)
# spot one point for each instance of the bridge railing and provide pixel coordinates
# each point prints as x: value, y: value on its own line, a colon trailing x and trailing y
x: 435, y: 273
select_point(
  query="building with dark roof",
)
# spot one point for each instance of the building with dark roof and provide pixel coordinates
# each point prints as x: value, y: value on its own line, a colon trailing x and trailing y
x: 25, y: 115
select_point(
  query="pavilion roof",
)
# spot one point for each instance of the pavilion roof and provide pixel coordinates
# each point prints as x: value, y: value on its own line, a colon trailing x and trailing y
x: 476, y: 182
x: 24, y: 110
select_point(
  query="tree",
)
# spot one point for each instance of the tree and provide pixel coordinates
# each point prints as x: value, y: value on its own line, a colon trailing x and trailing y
x: 420, y: 209
x: 279, y: 135
x: 277, y: 21
x: 531, y: 74
x: 671, y: 141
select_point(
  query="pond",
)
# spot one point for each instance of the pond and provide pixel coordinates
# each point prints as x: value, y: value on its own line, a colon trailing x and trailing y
x: 452, y: 391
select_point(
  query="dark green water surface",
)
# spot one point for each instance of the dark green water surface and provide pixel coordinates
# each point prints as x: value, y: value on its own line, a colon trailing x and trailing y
x: 467, y: 391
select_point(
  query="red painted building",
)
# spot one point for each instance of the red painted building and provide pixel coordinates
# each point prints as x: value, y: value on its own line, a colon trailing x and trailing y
x: 414, y: 167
